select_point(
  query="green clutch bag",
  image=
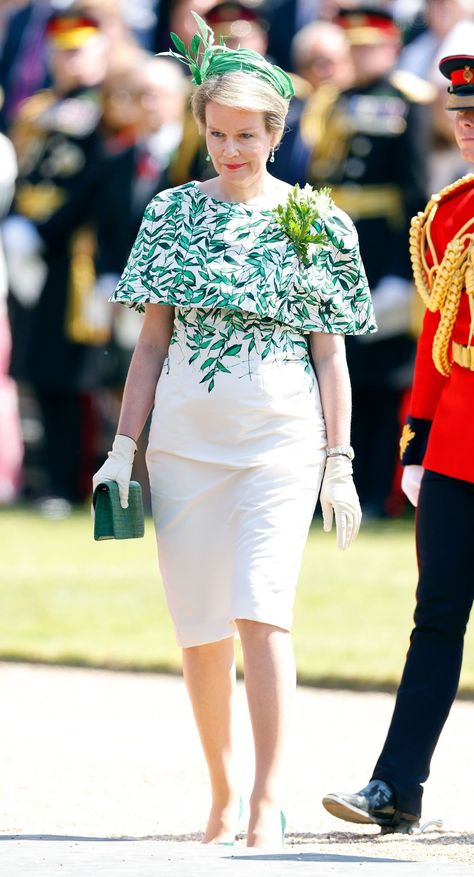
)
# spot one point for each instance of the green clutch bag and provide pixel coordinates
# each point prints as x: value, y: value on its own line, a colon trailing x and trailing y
x: 111, y: 521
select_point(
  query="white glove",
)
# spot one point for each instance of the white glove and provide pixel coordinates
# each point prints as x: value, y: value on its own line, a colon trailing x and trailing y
x: 338, y: 496
x: 20, y: 235
x: 118, y: 467
x: 106, y: 284
x: 411, y: 481
x: 127, y: 327
x: 23, y: 247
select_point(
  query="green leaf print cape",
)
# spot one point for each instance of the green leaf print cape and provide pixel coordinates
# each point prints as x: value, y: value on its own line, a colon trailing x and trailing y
x: 193, y: 251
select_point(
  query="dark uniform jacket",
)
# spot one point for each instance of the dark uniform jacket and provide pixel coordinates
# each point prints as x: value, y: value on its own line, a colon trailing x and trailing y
x: 370, y: 147
x: 60, y: 186
x: 292, y: 155
x: 134, y: 177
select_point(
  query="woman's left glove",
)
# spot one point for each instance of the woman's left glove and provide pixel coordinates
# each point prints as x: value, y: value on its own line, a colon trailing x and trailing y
x: 118, y: 467
x: 339, y: 497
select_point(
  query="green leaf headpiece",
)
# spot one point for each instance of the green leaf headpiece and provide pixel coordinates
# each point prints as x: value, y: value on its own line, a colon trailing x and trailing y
x: 206, y: 59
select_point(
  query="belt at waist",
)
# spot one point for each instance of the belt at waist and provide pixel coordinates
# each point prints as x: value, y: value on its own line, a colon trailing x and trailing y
x: 463, y: 356
x: 367, y: 202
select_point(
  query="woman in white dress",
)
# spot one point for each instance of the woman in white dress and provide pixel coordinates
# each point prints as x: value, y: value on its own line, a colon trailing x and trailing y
x: 239, y: 279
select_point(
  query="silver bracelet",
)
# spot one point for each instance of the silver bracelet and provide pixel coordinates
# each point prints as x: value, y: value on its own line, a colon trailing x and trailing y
x: 341, y: 451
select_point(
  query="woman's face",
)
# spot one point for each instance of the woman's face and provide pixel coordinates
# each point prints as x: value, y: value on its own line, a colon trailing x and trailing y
x: 238, y: 143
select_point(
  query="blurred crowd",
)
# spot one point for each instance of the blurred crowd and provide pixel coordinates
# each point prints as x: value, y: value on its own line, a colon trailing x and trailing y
x: 94, y: 124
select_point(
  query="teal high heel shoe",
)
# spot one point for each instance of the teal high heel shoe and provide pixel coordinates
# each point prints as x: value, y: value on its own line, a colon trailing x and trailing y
x: 282, y: 827
x: 231, y: 843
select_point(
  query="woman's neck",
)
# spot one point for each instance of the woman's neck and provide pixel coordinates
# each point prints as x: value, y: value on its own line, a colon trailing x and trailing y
x: 254, y: 191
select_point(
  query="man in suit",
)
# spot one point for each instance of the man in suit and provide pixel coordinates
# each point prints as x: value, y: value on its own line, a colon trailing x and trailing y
x: 436, y: 451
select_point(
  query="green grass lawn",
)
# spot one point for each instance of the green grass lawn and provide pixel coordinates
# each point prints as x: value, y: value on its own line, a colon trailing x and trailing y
x: 65, y: 598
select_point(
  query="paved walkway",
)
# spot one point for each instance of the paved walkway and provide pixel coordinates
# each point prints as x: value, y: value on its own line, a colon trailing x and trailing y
x: 150, y: 858
x: 102, y: 775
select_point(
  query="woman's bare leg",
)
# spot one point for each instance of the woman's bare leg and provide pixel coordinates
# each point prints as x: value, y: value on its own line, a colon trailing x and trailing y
x: 270, y: 681
x: 209, y: 673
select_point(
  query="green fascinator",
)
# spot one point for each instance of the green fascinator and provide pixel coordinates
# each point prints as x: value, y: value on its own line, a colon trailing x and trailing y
x: 206, y: 59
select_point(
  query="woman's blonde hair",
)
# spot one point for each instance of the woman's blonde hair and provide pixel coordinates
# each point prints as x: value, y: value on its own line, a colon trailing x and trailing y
x: 243, y: 91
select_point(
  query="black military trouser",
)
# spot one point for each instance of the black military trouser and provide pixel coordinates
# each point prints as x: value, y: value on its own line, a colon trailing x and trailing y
x: 444, y: 530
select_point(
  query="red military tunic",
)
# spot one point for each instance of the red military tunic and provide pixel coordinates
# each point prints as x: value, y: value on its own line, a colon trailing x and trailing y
x: 439, y: 433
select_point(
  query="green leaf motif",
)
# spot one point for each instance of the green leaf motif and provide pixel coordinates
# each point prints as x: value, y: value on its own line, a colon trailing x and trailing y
x: 195, y: 43
x: 178, y: 43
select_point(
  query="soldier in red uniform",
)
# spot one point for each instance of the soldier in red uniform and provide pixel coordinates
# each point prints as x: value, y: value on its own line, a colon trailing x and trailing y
x: 437, y: 452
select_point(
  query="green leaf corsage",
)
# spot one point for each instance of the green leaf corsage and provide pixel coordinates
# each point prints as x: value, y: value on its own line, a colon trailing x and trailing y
x: 298, y: 215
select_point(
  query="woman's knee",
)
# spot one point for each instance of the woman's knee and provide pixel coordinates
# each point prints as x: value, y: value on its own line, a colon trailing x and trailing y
x: 258, y: 630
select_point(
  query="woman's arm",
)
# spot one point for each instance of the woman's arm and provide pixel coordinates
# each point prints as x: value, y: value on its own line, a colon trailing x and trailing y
x: 329, y: 357
x: 145, y: 369
x: 338, y: 495
x: 143, y: 374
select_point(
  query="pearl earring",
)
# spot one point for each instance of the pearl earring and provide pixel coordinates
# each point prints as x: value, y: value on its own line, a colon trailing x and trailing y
x: 208, y: 157
x: 272, y: 155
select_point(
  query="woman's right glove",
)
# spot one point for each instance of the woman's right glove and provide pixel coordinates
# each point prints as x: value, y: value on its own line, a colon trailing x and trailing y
x: 411, y: 481
x: 118, y: 467
x: 339, y: 497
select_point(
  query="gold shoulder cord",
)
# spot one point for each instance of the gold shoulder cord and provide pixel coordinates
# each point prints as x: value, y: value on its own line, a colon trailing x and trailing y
x: 326, y: 130
x: 441, y: 285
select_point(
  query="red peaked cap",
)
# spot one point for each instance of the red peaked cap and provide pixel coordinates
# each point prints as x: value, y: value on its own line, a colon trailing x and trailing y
x: 69, y: 30
x: 368, y: 25
x: 459, y: 69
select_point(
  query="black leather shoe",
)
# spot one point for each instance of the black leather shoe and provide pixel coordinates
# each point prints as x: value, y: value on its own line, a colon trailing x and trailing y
x: 375, y: 804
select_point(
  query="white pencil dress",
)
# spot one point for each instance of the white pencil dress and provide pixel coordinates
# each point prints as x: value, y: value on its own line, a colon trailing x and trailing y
x: 237, y: 442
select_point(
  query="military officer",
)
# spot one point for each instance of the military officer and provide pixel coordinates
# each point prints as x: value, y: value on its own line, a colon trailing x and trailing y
x: 436, y: 451
x: 51, y: 244
x: 370, y: 147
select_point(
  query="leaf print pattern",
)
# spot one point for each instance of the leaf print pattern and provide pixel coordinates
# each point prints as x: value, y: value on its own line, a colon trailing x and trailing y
x: 205, y: 256
x: 192, y: 250
x: 217, y: 337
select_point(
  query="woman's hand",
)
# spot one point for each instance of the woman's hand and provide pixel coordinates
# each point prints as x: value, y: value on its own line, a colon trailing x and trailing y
x: 411, y: 481
x: 118, y: 467
x: 339, y: 497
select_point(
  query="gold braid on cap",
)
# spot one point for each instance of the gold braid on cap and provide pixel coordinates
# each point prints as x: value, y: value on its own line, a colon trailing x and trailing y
x: 441, y: 285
